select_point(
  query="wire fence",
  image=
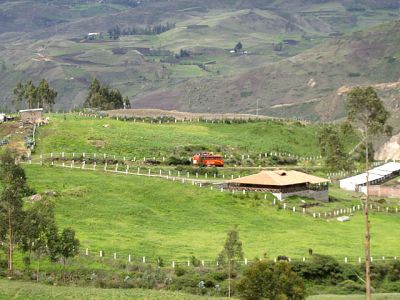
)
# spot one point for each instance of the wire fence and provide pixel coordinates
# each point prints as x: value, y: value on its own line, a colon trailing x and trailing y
x: 126, y: 257
x: 218, y: 186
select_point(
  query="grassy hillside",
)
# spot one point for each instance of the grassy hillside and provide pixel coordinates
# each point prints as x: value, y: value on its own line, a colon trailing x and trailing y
x: 76, y: 134
x: 27, y: 290
x: 154, y: 217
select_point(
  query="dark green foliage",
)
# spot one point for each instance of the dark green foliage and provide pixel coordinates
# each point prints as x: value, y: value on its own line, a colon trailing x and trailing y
x: 14, y: 185
x: 394, y: 271
x: 103, y: 97
x: 31, y: 96
x: 332, y: 148
x: 366, y: 111
x: 40, y: 234
x: 68, y: 244
x: 264, y: 280
x: 238, y: 47
x: 319, y: 268
x: 179, y: 271
x: 115, y: 32
x: 359, y: 154
x: 173, y: 161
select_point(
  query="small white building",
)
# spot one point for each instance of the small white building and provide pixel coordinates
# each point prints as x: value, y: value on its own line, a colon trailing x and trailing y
x: 31, y: 116
x: 376, y: 176
x: 2, y: 117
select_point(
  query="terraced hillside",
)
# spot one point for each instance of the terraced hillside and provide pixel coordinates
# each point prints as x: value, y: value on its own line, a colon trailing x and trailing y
x: 280, y: 36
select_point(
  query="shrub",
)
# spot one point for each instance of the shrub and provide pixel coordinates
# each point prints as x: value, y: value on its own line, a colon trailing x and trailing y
x: 173, y: 161
x: 264, y: 280
x: 319, y: 268
x: 179, y: 271
x: 351, y: 286
x: 394, y: 271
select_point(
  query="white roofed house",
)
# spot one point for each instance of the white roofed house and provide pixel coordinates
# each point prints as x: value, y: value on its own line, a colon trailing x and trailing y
x: 376, y: 176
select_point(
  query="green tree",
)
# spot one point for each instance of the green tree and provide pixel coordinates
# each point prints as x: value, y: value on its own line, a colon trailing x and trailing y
x: 332, y: 148
x: 45, y: 95
x: 18, y: 92
x: 127, y: 103
x: 30, y: 94
x: 238, y: 47
x: 366, y: 111
x: 274, y: 281
x: 231, y: 253
x: 101, y: 96
x: 39, y: 231
x: 68, y: 245
x: 13, y: 180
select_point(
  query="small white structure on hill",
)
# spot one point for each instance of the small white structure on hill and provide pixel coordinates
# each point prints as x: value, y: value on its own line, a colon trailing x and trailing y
x: 2, y: 117
x: 376, y: 175
x: 31, y: 116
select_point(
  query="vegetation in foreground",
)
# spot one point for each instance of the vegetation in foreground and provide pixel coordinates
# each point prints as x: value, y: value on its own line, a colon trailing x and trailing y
x: 27, y: 290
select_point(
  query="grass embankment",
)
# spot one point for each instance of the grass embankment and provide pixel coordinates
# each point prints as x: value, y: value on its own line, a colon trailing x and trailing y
x: 154, y: 217
x: 76, y: 134
x: 27, y: 290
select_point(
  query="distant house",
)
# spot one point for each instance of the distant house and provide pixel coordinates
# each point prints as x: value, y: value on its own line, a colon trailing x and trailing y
x: 31, y: 116
x: 2, y: 117
x: 283, y: 184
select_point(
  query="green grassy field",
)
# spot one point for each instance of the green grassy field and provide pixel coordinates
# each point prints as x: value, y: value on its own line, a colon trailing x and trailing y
x: 355, y: 297
x: 154, y: 217
x: 27, y: 290
x: 76, y: 134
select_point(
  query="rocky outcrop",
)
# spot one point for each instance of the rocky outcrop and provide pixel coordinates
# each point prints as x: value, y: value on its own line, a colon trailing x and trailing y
x: 390, y: 149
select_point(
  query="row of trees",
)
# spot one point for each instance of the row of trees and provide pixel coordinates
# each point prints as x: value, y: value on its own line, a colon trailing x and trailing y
x: 31, y: 96
x: 115, y: 32
x: 101, y: 96
x: 32, y: 230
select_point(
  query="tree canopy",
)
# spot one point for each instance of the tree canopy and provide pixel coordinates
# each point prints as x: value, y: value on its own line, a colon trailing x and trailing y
x: 366, y: 111
x: 30, y: 96
x: 265, y: 280
x: 332, y: 148
x: 101, y: 96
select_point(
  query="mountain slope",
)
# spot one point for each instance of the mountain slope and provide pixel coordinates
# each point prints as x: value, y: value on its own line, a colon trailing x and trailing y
x: 45, y: 39
x: 301, y: 82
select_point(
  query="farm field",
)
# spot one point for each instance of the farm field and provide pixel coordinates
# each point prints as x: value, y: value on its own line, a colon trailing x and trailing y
x: 153, y: 217
x: 89, y: 135
x: 26, y: 290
